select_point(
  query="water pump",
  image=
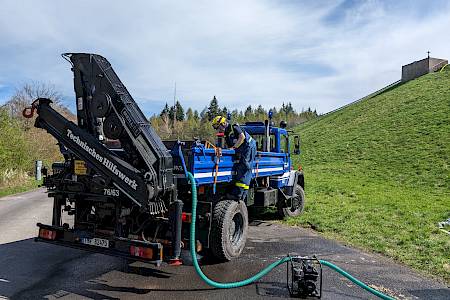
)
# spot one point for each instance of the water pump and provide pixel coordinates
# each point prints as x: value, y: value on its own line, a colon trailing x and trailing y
x: 304, y: 277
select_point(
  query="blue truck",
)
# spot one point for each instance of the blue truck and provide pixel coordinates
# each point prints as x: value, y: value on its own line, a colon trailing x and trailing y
x: 123, y: 191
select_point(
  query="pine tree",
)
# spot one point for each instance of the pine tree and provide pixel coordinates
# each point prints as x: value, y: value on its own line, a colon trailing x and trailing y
x: 179, y: 111
x: 260, y: 111
x: 289, y: 108
x: 213, y: 109
x: 248, y: 111
x: 165, y: 110
x: 224, y: 111
x: 189, y: 114
x: 172, y: 113
x: 204, y: 114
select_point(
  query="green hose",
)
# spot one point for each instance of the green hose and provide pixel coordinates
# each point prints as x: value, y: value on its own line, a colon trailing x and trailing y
x: 355, y: 281
x: 263, y: 272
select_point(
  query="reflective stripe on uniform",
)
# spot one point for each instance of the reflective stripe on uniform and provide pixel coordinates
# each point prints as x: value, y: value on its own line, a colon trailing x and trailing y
x: 242, y: 185
x: 248, y: 137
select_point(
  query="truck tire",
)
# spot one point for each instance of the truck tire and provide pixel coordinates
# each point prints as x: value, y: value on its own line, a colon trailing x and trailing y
x: 229, y: 229
x: 298, y: 204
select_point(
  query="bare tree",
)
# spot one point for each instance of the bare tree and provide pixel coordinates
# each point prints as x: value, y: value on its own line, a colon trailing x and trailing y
x: 29, y: 92
x: 25, y: 95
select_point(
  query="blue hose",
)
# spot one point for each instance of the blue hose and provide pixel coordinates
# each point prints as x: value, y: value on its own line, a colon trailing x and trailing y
x: 263, y: 272
x: 183, y: 163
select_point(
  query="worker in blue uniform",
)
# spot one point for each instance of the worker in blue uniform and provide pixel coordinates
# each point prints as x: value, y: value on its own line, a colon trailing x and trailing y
x: 245, y: 146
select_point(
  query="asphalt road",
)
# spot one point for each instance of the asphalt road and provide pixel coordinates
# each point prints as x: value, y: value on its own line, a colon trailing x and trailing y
x: 30, y: 270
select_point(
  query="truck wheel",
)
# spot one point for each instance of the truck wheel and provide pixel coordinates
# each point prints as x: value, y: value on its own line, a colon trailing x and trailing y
x: 229, y: 229
x: 297, y: 204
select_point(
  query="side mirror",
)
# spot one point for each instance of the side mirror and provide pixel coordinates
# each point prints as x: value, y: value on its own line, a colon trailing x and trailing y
x: 296, y: 144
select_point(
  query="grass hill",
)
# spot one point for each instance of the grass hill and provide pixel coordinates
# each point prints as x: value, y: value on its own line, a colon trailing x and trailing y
x: 378, y: 173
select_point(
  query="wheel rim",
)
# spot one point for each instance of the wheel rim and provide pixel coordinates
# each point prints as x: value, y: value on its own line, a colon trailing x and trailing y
x: 295, y: 203
x: 236, y: 229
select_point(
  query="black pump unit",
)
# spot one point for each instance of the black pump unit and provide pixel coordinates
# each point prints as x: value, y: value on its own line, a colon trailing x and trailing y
x: 304, y: 277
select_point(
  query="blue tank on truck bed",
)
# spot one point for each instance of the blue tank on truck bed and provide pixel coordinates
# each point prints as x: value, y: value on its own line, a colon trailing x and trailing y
x: 127, y: 190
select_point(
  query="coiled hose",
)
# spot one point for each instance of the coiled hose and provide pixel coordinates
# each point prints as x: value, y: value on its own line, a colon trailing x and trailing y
x: 263, y: 272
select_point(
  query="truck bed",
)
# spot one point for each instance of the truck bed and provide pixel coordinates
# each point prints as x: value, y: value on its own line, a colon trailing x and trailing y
x: 201, y: 162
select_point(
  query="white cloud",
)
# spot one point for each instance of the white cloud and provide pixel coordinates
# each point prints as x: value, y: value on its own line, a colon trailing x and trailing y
x: 246, y: 52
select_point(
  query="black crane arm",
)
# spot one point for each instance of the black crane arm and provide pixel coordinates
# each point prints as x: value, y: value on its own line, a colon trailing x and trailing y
x: 124, y: 176
x: 104, y: 106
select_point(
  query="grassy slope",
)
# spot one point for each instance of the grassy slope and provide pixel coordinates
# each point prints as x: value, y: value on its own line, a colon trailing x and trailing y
x: 30, y: 184
x: 377, y: 173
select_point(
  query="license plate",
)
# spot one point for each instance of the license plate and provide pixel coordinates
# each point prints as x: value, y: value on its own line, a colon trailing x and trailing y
x: 96, y: 242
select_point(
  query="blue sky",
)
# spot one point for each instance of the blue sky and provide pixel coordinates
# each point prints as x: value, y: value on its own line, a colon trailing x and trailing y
x: 319, y: 54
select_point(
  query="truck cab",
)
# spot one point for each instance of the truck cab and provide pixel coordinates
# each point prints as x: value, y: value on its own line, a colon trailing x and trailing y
x: 273, y: 143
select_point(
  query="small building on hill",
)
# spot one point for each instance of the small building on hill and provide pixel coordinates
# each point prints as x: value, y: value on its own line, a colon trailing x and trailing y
x: 422, y: 67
